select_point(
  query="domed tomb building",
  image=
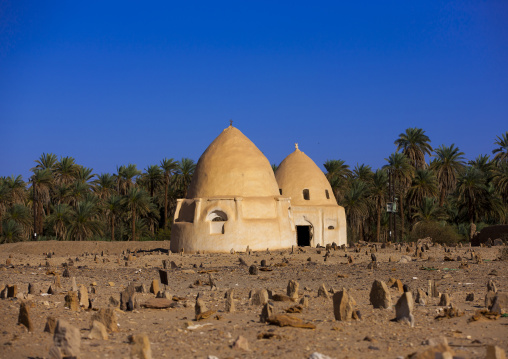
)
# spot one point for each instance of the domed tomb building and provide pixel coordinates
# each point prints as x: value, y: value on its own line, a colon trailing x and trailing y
x: 317, y: 216
x: 233, y: 201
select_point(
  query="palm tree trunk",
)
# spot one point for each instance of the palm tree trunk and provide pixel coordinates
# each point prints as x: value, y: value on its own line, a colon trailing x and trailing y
x: 40, y: 210
x: 166, y: 202
x: 133, y: 224
x: 378, y: 226
x: 112, y: 228
x: 441, y: 199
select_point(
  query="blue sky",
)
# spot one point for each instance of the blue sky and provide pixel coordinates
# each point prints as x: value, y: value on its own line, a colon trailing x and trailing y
x: 117, y: 82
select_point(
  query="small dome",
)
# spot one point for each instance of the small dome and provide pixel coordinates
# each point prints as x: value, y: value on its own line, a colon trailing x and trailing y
x: 302, y: 180
x: 232, y: 166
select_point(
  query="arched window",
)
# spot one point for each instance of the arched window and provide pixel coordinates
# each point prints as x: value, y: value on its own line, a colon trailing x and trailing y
x: 217, y: 219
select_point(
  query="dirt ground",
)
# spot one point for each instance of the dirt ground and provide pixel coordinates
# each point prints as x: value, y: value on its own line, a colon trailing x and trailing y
x: 174, y: 333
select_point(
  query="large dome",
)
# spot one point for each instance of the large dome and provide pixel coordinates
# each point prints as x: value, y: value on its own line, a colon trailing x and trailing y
x: 301, y: 179
x: 232, y: 166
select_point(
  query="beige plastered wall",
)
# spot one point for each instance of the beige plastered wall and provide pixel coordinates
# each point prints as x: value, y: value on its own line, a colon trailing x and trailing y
x: 320, y: 218
x: 258, y: 222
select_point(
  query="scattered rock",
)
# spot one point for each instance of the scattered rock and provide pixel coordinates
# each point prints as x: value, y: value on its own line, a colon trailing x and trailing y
x: 404, y: 309
x: 128, y: 298
x: 323, y: 292
x: 253, y: 270
x: 445, y: 300
x: 495, y: 352
x: 258, y: 296
x: 292, y: 289
x: 230, y: 301
x: 107, y: 316
x: 380, y: 295
x: 421, y: 297
x: 266, y: 313
x: 24, y: 316
x: 50, y: 325
x: 200, y: 307
x: 500, y: 303
x: 83, y: 297
x: 343, y: 305
x: 71, y: 301
x: 241, y: 343
x: 98, y: 331
x: 283, y: 320
x: 66, y: 341
x: 157, y: 303
x: 470, y: 297
x: 140, y: 347
x: 154, y: 287
x: 433, y: 292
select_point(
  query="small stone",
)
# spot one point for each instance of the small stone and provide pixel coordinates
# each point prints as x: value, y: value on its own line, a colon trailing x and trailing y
x: 322, y: 292
x: 470, y: 297
x: 495, y: 352
x: 230, y: 301
x: 128, y: 298
x: 12, y: 291
x: 491, y: 286
x: 50, y: 325
x: 421, y: 297
x: 140, y: 347
x: 343, y: 305
x: 83, y: 297
x: 154, y: 287
x: 253, y: 270
x: 98, y: 331
x: 292, y: 289
x: 66, y: 273
x: 241, y: 343
x: 404, y: 309
x: 71, y: 301
x: 380, y: 295
x: 266, y: 313
x: 304, y: 302
x: 445, y: 300
x: 57, y: 281
x: 33, y: 288
x: 107, y: 316
x: 200, y: 307
x: 500, y: 303
x: 66, y: 341
x: 74, y: 287
x: 433, y: 292
x: 24, y: 316
x: 258, y: 296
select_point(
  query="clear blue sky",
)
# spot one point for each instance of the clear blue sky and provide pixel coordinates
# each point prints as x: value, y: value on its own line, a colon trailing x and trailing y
x: 118, y: 82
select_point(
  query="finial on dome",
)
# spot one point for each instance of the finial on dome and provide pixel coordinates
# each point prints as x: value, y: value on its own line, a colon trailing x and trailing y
x: 296, y: 146
x: 231, y: 123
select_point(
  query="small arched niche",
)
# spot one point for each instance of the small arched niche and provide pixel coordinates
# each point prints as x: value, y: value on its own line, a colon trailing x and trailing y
x: 217, y: 219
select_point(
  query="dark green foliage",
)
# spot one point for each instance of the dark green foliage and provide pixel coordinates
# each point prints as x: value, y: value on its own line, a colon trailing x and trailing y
x: 440, y: 233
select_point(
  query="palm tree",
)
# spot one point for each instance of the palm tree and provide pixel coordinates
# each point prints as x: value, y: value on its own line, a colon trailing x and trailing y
x: 379, y: 192
x: 274, y: 167
x: 415, y: 145
x: 65, y: 171
x: 83, y: 222
x: 428, y: 211
x: 424, y: 185
x: 11, y: 232
x: 363, y: 172
x: 402, y: 171
x: 84, y: 174
x: 5, y: 199
x: 356, y: 205
x: 338, y: 174
x: 46, y: 161
x: 169, y: 166
x: 20, y: 214
x: 41, y: 184
x: 138, y: 202
x: 114, y: 207
x: 59, y: 219
x: 471, y: 191
x: 104, y: 185
x: 78, y: 192
x: 502, y: 151
x: 447, y: 165
x: 184, y: 174
x: 484, y: 165
x: 126, y: 177
x: 501, y: 180
x: 17, y: 187
x: 153, y: 176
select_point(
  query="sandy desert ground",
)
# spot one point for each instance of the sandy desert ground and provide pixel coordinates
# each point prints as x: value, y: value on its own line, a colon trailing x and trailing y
x: 107, y: 268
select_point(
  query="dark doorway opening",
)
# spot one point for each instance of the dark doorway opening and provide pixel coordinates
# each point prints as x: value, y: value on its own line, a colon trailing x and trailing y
x: 303, y: 236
